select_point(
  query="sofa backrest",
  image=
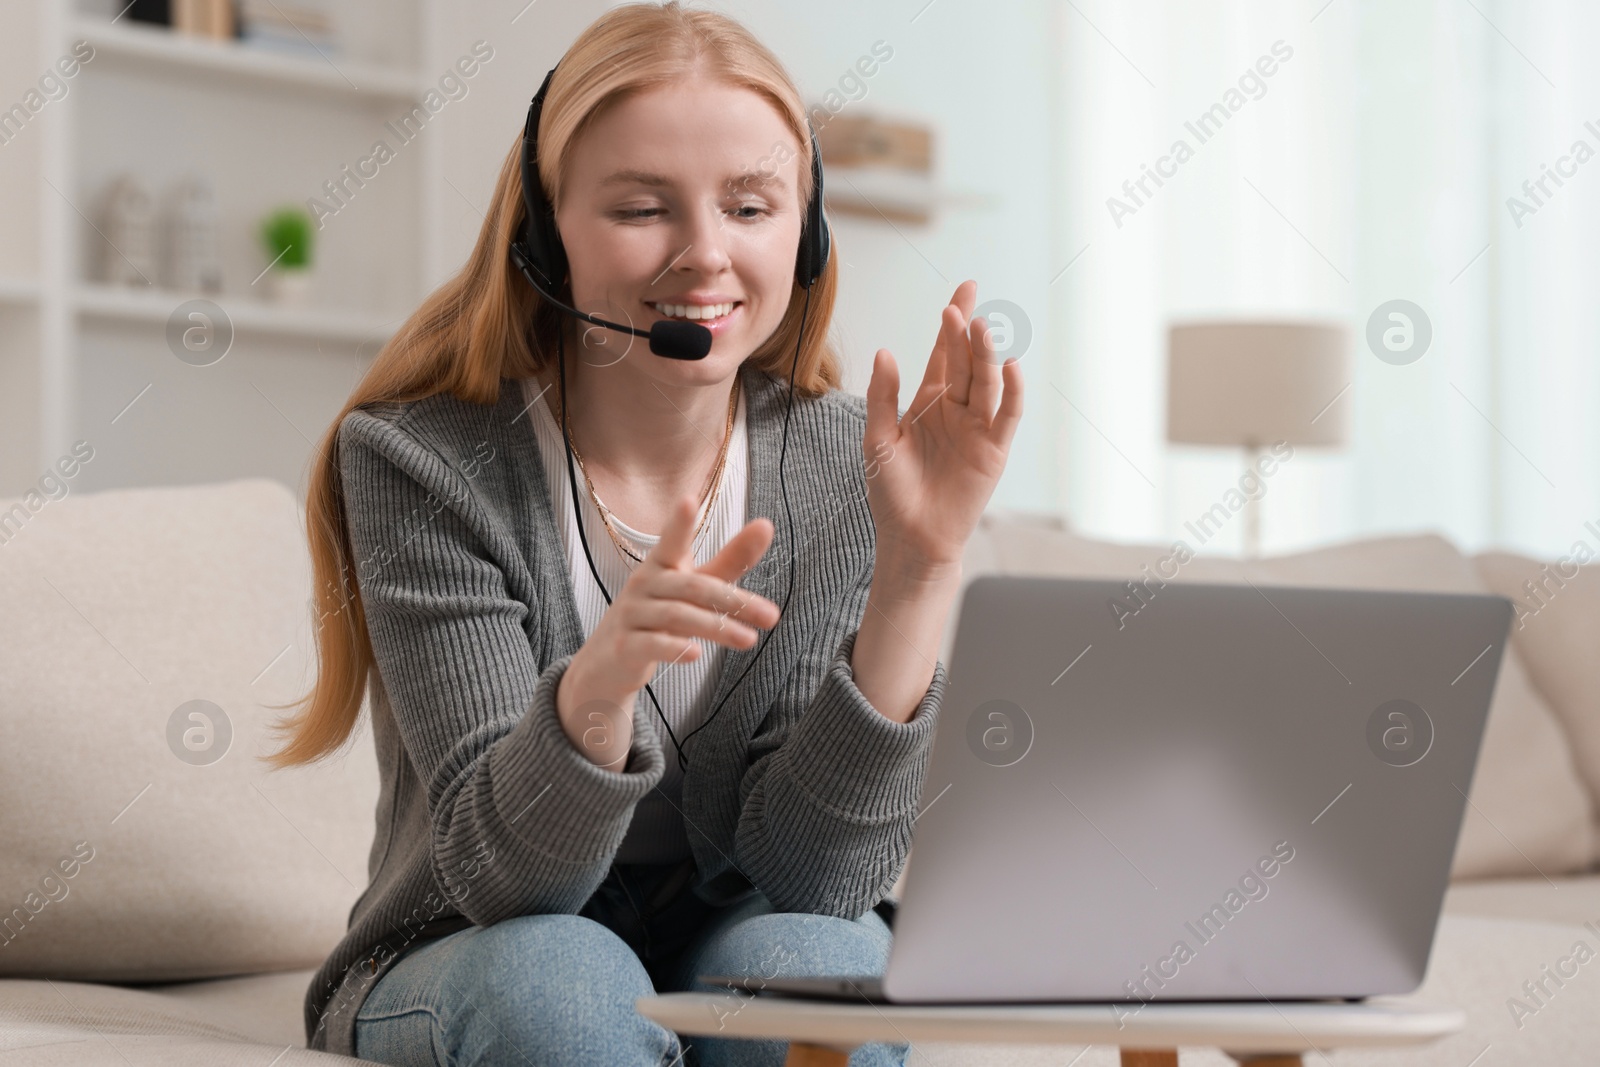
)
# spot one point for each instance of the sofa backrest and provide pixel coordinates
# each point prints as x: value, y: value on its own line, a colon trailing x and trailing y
x: 1530, y: 813
x: 146, y: 631
x: 1557, y: 636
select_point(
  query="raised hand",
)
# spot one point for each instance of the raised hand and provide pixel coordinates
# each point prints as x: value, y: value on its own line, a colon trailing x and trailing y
x: 932, y: 472
x: 665, y: 603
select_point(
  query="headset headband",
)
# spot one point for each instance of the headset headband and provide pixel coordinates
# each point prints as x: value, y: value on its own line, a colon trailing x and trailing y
x: 541, y: 240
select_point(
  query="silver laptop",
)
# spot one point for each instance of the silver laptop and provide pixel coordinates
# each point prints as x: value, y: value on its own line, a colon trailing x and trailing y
x: 1187, y: 792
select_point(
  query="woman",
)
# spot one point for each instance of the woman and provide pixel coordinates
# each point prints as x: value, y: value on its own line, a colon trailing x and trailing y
x: 549, y: 846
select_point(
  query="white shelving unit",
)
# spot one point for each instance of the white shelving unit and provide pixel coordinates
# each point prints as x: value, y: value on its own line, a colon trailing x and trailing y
x: 22, y: 292
x: 267, y: 128
x: 133, y: 307
x: 164, y: 50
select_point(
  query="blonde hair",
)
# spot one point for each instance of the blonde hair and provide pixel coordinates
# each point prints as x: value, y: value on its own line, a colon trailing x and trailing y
x: 476, y: 328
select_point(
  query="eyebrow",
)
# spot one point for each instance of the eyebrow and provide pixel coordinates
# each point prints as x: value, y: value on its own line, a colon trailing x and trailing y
x: 644, y: 177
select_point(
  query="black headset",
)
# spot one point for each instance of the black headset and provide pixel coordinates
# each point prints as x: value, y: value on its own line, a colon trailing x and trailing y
x: 538, y: 254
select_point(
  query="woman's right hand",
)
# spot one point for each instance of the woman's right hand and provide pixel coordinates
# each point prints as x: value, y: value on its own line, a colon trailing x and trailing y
x: 665, y: 603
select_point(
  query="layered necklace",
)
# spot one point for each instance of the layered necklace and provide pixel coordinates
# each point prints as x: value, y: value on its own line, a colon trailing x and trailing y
x: 707, y: 496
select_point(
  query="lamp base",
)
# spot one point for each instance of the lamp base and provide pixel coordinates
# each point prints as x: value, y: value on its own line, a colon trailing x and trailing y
x: 1251, y: 548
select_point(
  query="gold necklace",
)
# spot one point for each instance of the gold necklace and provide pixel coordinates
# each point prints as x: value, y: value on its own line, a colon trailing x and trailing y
x: 707, y: 496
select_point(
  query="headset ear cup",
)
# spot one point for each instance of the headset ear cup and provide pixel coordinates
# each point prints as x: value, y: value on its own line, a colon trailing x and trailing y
x: 815, y: 240
x: 541, y: 239
x: 552, y: 255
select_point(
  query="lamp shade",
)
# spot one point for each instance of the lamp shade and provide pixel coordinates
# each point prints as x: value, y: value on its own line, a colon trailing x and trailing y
x: 1244, y: 383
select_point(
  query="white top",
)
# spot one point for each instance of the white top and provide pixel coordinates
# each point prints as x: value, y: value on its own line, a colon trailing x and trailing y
x: 656, y: 834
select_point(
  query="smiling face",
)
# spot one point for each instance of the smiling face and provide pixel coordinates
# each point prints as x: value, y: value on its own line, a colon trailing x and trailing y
x: 665, y: 215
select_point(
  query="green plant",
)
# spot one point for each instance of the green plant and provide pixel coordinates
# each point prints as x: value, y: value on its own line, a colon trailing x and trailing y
x: 286, y: 235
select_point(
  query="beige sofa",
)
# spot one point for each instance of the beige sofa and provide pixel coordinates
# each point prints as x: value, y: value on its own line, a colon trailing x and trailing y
x: 167, y: 897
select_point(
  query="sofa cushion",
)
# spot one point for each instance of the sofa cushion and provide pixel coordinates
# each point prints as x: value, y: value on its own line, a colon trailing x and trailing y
x: 138, y: 843
x: 1529, y: 813
x: 268, y: 1008
x: 1557, y: 634
x: 1574, y: 899
x: 78, y: 1024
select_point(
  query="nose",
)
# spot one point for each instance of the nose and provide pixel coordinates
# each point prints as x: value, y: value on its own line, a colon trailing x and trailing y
x: 704, y: 242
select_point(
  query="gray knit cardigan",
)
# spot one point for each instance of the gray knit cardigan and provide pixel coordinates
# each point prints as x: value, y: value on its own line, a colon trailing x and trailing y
x: 798, y: 787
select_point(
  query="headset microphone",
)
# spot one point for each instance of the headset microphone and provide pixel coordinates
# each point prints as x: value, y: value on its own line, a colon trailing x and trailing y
x: 672, y: 338
x: 538, y: 254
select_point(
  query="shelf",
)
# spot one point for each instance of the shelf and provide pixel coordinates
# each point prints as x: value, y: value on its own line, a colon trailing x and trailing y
x: 234, y: 61
x: 107, y: 303
x: 895, y: 194
x: 18, y: 291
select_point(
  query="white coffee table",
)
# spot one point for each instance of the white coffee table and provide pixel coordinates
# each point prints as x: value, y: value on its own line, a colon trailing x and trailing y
x: 822, y: 1033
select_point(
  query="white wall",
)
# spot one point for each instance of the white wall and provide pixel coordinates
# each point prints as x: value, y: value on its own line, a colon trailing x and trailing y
x: 1376, y: 166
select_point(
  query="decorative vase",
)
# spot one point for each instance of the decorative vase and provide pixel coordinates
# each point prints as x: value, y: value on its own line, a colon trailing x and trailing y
x: 289, y: 287
x: 128, y: 255
x: 193, y: 241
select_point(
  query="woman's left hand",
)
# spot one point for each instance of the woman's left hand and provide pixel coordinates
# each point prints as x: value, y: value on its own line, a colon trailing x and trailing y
x: 930, y: 473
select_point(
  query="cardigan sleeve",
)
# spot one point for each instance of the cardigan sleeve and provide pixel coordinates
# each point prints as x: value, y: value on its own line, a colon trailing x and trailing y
x: 833, y: 785
x: 473, y: 708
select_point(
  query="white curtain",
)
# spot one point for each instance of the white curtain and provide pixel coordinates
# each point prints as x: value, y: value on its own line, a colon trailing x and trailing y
x: 1374, y: 162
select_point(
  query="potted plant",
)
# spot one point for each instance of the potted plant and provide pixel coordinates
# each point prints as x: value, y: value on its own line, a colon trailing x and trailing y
x: 286, y: 236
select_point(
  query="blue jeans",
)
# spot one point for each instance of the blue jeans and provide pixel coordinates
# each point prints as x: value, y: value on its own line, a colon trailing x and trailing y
x: 547, y: 990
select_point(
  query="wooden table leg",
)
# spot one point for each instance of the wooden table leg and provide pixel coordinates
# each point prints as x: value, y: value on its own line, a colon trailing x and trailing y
x: 1149, y: 1057
x: 804, y: 1055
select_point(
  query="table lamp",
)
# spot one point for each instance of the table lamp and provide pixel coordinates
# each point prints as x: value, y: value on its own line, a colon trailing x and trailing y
x: 1252, y: 384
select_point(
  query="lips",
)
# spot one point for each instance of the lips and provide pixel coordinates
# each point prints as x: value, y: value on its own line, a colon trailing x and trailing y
x: 672, y: 309
x: 717, y: 326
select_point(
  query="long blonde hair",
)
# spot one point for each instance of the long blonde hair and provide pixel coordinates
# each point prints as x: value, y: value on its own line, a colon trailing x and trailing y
x: 476, y: 328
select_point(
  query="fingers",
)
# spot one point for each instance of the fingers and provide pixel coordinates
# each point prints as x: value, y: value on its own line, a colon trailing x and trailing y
x: 937, y: 372
x: 1010, y: 413
x: 966, y: 298
x: 655, y: 646
x: 681, y: 619
x: 699, y: 588
x: 668, y: 602
x: 883, y: 404
x: 675, y: 549
x: 741, y: 551
x: 958, y: 352
x: 686, y: 604
x: 985, y: 369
